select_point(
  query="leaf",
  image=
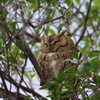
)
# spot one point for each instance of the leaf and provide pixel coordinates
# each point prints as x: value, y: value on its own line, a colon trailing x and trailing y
x: 32, y: 75
x: 20, y: 43
x: 8, y: 46
x: 31, y: 1
x: 86, y: 5
x: 1, y: 58
x: 67, y: 96
x: 86, y: 64
x: 61, y: 77
x: 68, y: 2
x: 27, y: 97
x: 90, y: 86
x: 21, y: 62
x: 52, y: 31
x: 70, y: 76
x: 95, y: 65
x: 72, y: 61
x: 51, y: 96
x: 22, y: 55
x: 14, y: 26
x: 1, y: 43
x: 77, y: 1
x: 13, y: 73
x: 94, y: 53
x: 75, y: 54
x: 84, y: 68
x: 69, y: 69
x: 57, y: 93
x: 12, y: 60
x: 96, y: 3
x: 19, y: 31
x: 32, y: 6
x: 96, y: 96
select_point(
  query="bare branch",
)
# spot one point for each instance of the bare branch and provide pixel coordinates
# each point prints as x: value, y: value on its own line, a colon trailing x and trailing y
x: 45, y: 22
x: 11, y: 80
x: 32, y: 58
x: 11, y: 95
x: 85, y: 22
x: 4, y: 83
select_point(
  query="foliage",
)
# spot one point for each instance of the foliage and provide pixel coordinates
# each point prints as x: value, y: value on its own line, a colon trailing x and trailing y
x: 22, y: 22
x: 86, y: 84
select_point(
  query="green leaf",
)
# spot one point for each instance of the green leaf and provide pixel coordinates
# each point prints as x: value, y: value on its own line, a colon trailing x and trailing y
x: 13, y: 73
x: 32, y: 75
x: 61, y: 77
x: 96, y: 96
x: 21, y: 62
x: 94, y: 53
x: 20, y: 43
x: 1, y: 58
x: 95, y: 65
x: 0, y: 44
x: 31, y: 1
x: 70, y: 76
x: 75, y: 54
x: 86, y: 5
x: 84, y: 68
x: 27, y: 97
x: 60, y: 26
x: 22, y: 55
x: 14, y: 26
x: 19, y: 31
x: 8, y: 46
x: 68, y: 2
x: 32, y: 6
x: 86, y: 64
x: 96, y: 2
x: 12, y: 60
x: 90, y: 86
x: 51, y: 96
x: 66, y: 96
x: 69, y: 69
x: 77, y: 1
x: 57, y: 93
x: 52, y: 31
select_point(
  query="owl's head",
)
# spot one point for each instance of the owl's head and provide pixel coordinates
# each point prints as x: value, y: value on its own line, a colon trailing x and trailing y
x: 52, y: 43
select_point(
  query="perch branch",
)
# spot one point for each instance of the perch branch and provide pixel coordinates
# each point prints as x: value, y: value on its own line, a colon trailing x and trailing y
x: 25, y: 48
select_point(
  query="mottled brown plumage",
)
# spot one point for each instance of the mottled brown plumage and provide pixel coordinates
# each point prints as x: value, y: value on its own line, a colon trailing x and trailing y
x: 54, y: 50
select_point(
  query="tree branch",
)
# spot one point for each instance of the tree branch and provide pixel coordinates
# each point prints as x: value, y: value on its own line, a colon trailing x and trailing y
x: 25, y: 48
x: 45, y: 22
x: 11, y: 95
x: 4, y: 83
x: 11, y: 80
x: 85, y: 22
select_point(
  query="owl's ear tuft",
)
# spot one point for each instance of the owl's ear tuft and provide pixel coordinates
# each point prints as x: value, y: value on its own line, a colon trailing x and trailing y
x: 44, y: 36
x: 62, y: 33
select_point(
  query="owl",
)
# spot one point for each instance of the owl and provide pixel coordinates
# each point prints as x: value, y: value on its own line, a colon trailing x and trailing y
x: 54, y: 50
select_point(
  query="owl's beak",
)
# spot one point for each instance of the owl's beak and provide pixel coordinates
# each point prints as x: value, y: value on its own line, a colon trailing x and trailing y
x: 50, y: 47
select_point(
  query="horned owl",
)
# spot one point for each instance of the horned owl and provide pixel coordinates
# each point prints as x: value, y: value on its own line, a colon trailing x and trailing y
x: 54, y: 49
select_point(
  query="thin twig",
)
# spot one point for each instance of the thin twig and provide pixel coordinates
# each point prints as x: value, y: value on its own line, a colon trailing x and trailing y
x: 44, y: 22
x: 85, y: 23
x: 4, y: 83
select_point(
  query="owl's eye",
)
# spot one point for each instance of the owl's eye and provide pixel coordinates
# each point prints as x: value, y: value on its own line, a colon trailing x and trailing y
x: 53, y: 42
x: 46, y: 43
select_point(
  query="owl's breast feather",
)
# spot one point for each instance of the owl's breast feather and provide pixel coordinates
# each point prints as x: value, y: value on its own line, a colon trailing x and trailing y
x: 53, y: 63
x: 50, y: 54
